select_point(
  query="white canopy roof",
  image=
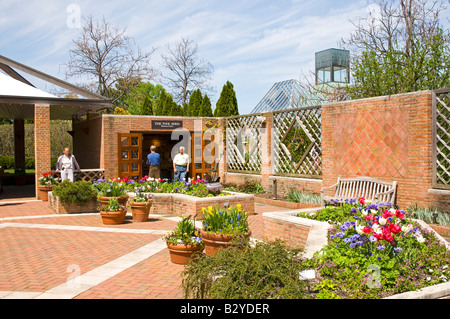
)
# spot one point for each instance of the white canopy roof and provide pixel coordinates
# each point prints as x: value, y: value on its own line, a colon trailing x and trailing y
x: 13, y: 87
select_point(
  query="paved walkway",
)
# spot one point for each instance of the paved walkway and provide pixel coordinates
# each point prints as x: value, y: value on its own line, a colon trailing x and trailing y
x: 46, y: 255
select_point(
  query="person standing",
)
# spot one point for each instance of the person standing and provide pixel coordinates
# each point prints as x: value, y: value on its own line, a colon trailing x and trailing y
x: 180, y: 165
x: 154, y: 162
x: 66, y: 164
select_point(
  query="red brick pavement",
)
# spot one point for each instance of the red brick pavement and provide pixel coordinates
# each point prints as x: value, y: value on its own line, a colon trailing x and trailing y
x: 36, y: 259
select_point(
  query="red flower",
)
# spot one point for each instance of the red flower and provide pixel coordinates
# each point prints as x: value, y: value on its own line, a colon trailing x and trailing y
x: 387, y: 235
x: 399, y: 214
x: 386, y: 214
x: 395, y: 228
x: 362, y: 200
x: 377, y: 236
x: 367, y: 230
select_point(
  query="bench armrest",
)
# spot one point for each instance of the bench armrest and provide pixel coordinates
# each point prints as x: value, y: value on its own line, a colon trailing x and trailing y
x: 377, y: 195
x: 329, y: 187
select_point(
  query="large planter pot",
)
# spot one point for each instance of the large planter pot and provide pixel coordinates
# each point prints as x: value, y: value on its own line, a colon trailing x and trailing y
x: 43, y: 191
x: 181, y: 253
x: 140, y: 211
x: 113, y: 218
x: 105, y: 199
x: 214, y: 242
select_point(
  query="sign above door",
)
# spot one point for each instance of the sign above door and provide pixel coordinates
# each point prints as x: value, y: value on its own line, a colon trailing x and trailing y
x: 166, y: 124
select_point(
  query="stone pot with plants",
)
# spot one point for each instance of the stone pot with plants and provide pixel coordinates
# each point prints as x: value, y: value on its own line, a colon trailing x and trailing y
x: 112, y: 188
x: 184, y: 241
x: 222, y: 225
x: 46, y: 183
x: 140, y: 206
x: 113, y: 213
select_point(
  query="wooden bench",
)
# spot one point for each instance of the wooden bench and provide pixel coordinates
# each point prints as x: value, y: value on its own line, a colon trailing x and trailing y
x: 369, y: 188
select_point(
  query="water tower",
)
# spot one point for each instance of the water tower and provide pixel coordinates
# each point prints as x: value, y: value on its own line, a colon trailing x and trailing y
x: 332, y: 65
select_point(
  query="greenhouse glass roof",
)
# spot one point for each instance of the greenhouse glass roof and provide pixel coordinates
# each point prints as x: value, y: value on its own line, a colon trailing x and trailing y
x: 290, y: 94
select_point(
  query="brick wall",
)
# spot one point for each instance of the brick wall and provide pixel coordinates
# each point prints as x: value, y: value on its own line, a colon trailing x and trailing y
x: 294, y: 235
x: 388, y: 138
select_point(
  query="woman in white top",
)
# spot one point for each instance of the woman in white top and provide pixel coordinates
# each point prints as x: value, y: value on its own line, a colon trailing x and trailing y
x: 66, y: 164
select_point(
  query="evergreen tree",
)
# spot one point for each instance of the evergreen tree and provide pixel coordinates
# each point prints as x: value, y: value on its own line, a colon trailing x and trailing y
x: 227, y: 103
x: 167, y: 107
x: 176, y: 110
x: 160, y: 104
x: 205, y: 109
x: 195, y: 103
x: 147, y: 107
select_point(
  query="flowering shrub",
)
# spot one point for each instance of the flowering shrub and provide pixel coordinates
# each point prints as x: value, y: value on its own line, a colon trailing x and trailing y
x: 112, y: 187
x: 48, y: 179
x: 370, y: 239
x: 185, y: 233
x: 227, y: 221
x: 112, y: 206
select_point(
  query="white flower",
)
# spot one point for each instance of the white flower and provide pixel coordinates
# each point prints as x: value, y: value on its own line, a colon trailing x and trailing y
x: 420, y: 239
x: 364, y: 212
x: 373, y: 211
x: 377, y: 229
x: 359, y: 229
x: 445, y: 267
x: 392, y: 210
x: 428, y: 278
x: 382, y: 221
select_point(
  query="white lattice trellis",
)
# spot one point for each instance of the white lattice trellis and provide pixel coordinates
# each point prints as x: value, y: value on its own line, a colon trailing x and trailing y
x: 243, y: 140
x: 297, y: 142
x: 441, y: 139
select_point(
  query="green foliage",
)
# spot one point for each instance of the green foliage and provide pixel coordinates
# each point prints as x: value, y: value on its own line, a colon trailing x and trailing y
x: 249, y: 187
x: 74, y: 192
x: 426, y: 214
x: 110, y: 188
x: 195, y: 103
x: 184, y: 233
x: 337, y: 214
x: 267, y: 271
x: 205, y: 108
x: 147, y: 107
x: 297, y: 196
x: 226, y: 221
x: 227, y: 104
x: 397, y: 70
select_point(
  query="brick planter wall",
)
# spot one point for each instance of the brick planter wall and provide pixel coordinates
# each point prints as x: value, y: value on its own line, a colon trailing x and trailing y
x: 180, y: 204
x: 59, y: 208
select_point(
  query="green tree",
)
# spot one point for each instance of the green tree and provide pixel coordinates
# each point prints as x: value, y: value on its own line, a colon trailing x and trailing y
x: 160, y: 104
x: 205, y: 109
x: 147, y: 107
x: 195, y: 103
x: 176, y: 110
x: 400, y: 47
x: 227, y: 104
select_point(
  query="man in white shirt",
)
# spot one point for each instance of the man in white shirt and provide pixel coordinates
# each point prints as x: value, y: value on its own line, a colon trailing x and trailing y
x: 180, y: 165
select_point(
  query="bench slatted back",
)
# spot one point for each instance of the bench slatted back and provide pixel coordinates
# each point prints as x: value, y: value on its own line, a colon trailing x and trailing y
x: 364, y: 187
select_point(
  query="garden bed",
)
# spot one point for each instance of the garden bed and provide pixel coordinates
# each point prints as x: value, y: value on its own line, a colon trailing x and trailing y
x: 60, y: 208
x: 428, y: 276
x: 186, y: 205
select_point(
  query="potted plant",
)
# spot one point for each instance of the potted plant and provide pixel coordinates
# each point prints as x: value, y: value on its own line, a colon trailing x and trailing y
x: 113, y: 213
x: 221, y: 226
x: 46, y: 183
x: 140, y: 206
x: 113, y: 188
x: 184, y: 241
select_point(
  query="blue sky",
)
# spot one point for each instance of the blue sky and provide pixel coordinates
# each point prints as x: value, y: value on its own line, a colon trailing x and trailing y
x: 252, y: 44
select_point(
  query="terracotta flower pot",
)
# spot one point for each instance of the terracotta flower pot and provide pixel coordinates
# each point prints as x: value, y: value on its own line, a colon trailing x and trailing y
x: 181, y: 253
x: 140, y: 211
x: 122, y: 200
x: 214, y: 241
x: 43, y: 191
x: 113, y: 218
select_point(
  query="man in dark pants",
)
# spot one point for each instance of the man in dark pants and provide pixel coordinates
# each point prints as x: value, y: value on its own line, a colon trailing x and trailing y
x: 154, y: 161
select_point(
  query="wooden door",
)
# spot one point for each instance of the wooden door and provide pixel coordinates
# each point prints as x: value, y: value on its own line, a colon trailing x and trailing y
x: 201, y: 159
x: 130, y: 154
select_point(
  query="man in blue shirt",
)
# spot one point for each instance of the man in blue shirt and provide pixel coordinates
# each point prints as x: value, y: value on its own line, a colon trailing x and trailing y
x: 153, y: 160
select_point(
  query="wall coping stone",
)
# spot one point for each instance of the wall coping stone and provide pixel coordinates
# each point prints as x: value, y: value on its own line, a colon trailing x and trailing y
x: 439, y: 191
x: 314, y: 180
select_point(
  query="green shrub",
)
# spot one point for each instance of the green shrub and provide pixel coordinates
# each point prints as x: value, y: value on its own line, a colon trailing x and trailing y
x: 267, y: 271
x: 74, y: 192
x: 7, y: 162
x: 297, y: 196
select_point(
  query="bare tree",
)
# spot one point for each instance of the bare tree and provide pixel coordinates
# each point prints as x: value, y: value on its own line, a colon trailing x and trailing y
x: 187, y: 71
x: 395, y: 24
x: 109, y: 58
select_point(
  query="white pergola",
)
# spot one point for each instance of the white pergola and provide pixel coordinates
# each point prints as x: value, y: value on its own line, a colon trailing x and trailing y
x: 20, y: 100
